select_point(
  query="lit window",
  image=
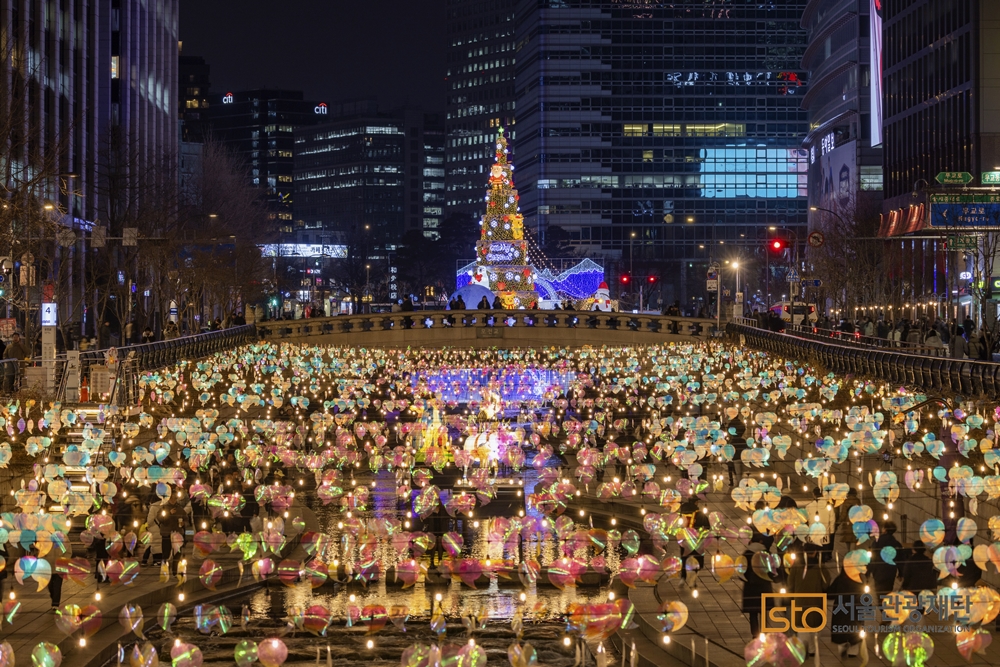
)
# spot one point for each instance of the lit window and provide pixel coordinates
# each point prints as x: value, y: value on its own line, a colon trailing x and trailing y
x: 647, y: 156
x: 634, y: 130
x: 114, y: 67
x: 664, y: 130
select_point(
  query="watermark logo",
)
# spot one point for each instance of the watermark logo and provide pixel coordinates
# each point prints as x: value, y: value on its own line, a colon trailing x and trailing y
x: 801, y: 612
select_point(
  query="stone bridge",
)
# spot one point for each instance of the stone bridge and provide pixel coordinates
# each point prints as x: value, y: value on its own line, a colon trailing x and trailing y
x: 490, y: 328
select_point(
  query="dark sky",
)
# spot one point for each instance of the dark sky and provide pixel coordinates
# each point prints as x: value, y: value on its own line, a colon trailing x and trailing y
x: 333, y: 50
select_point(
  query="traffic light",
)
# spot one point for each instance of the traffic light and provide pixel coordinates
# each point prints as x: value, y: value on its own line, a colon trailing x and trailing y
x: 777, y: 245
x: 625, y: 279
x: 651, y: 279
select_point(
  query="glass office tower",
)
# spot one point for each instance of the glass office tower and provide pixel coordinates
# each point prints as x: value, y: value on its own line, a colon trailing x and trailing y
x: 664, y: 135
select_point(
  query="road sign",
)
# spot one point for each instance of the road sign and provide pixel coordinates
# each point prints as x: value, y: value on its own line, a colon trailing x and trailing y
x: 962, y: 242
x: 811, y: 283
x: 793, y: 276
x: 712, y: 285
x: 816, y: 239
x: 954, y: 178
x: 991, y: 178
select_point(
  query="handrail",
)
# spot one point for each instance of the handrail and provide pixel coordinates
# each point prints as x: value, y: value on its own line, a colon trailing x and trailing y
x: 967, y: 377
x: 481, y: 319
x: 135, y: 359
x: 857, y: 338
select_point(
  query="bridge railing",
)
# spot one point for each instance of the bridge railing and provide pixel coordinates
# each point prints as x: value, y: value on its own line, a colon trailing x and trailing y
x: 487, y: 319
x: 961, y: 376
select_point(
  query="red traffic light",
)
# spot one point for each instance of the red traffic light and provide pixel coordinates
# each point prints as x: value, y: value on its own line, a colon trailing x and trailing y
x: 777, y: 245
x: 625, y: 279
x: 652, y: 279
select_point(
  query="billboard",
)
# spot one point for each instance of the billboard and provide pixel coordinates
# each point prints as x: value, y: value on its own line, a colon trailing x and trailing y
x: 833, y: 177
x: 875, y: 42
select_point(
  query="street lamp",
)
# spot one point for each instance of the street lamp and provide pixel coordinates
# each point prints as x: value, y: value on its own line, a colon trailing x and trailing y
x: 631, y: 240
x: 368, y: 276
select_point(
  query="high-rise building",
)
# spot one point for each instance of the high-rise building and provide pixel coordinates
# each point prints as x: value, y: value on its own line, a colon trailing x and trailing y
x: 940, y: 119
x: 259, y: 126
x: 480, y: 95
x: 366, y: 170
x: 941, y: 110
x: 80, y: 78
x: 843, y: 164
x: 668, y: 135
x: 94, y: 66
x: 144, y: 47
x: 194, y: 86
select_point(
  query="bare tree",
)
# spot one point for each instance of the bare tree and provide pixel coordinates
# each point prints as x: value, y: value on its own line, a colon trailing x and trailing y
x: 857, y: 268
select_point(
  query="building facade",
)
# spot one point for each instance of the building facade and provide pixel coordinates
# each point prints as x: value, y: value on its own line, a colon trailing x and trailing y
x: 480, y: 96
x: 78, y: 78
x: 843, y: 163
x: 259, y: 126
x: 940, y: 106
x: 645, y: 140
x: 382, y: 173
x: 941, y: 128
x: 194, y: 84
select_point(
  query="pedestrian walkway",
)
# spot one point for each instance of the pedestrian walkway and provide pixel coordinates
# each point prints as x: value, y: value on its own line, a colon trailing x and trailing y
x: 716, y: 625
x: 34, y: 620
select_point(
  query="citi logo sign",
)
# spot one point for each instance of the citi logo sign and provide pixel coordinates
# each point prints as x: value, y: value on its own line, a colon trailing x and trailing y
x: 320, y: 109
x: 227, y: 98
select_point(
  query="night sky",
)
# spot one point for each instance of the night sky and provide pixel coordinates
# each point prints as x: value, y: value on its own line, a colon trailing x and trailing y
x: 333, y: 50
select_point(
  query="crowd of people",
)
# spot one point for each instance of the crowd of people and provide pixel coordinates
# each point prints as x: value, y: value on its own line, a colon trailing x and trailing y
x: 958, y: 340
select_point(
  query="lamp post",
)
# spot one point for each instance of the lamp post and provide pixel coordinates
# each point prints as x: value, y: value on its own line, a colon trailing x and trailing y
x: 368, y: 276
x: 631, y: 241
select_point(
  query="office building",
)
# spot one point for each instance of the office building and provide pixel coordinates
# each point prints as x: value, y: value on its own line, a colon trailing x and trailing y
x: 259, y: 126
x: 80, y: 77
x: 941, y: 128
x: 668, y: 136
x: 366, y: 170
x: 194, y: 85
x: 480, y: 96
x: 843, y: 164
x: 941, y: 110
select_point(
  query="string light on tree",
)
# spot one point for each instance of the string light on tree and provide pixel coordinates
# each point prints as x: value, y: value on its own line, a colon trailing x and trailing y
x: 502, y: 251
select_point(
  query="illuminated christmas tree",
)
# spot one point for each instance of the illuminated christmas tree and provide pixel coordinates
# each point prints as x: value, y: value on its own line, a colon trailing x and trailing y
x: 502, y: 252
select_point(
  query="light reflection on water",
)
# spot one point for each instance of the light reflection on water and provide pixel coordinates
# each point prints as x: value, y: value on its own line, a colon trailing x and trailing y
x: 456, y: 600
x: 384, y: 505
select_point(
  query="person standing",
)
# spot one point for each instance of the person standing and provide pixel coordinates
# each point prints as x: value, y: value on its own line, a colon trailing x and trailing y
x: 173, y: 519
x: 845, y: 589
x: 155, y: 550
x: 737, y: 430
x: 845, y: 528
x: 883, y: 573
x: 754, y: 586
x: 808, y: 576
x: 14, y: 350
x: 918, y: 572
x: 957, y: 345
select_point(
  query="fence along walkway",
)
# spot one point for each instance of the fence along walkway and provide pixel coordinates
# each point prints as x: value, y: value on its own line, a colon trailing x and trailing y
x: 960, y: 376
x: 456, y: 320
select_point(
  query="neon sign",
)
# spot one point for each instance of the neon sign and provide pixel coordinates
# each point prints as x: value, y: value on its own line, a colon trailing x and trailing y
x: 320, y: 109
x: 227, y: 98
